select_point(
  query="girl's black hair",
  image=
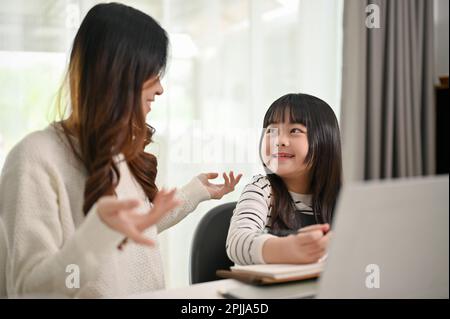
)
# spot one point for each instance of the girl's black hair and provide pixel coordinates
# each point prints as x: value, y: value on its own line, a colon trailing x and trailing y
x: 324, y: 158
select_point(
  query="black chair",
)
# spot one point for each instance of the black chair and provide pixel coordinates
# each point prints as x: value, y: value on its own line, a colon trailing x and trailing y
x: 208, y: 251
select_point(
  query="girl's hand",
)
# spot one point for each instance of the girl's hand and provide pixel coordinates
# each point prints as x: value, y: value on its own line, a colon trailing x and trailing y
x: 310, y: 243
x: 325, y: 228
x: 218, y: 190
x: 122, y: 215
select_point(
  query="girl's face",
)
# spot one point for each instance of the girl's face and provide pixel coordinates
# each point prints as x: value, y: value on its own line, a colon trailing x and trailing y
x: 150, y: 89
x: 285, y: 146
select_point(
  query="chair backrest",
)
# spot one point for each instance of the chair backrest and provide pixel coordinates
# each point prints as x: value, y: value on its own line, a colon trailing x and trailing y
x: 208, y: 251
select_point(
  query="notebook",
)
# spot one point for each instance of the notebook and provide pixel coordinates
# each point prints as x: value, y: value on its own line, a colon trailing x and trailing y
x: 305, y: 289
x: 272, y: 273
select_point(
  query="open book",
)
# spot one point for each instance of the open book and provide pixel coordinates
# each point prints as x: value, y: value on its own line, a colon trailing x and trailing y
x: 272, y: 273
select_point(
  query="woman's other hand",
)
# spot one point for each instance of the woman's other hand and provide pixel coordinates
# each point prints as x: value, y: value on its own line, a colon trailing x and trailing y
x: 122, y: 214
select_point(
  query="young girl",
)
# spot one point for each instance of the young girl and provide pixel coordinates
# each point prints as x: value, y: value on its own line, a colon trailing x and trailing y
x: 284, y: 217
x: 71, y: 193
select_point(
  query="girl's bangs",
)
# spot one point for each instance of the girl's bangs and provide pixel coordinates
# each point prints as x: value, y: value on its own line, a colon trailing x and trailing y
x: 277, y: 114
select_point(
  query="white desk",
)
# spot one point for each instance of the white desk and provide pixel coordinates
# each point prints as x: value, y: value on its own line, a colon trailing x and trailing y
x: 210, y: 290
x: 206, y: 290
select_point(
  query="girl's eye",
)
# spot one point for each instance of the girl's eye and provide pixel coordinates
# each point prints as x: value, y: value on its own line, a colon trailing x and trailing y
x: 271, y: 131
x: 296, y: 130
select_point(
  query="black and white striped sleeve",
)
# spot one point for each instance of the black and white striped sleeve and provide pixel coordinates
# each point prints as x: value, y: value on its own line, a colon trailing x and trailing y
x: 246, y: 235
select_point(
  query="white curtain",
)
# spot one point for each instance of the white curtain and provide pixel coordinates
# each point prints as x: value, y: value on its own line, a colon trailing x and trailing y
x: 388, y: 106
x: 235, y: 58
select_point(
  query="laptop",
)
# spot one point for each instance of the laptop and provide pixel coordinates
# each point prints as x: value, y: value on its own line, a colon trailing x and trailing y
x: 391, y: 240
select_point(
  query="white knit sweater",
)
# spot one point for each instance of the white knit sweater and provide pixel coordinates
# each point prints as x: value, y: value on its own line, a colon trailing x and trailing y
x: 41, y: 198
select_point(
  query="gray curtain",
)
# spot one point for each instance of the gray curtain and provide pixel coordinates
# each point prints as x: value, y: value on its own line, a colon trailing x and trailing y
x: 387, y: 112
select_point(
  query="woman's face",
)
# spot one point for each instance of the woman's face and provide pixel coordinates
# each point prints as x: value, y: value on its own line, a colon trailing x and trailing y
x: 284, y: 148
x: 150, y: 89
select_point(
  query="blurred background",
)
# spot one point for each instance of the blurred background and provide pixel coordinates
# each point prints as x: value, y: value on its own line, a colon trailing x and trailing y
x: 229, y: 60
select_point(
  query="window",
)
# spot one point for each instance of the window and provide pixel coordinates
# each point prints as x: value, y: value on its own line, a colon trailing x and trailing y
x: 229, y: 60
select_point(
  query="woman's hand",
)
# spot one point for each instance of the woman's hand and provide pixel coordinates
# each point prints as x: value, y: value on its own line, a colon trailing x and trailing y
x: 218, y: 190
x: 122, y: 215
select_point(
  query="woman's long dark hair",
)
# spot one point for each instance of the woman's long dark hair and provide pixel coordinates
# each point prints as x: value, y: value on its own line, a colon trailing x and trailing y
x: 116, y: 49
x: 324, y: 157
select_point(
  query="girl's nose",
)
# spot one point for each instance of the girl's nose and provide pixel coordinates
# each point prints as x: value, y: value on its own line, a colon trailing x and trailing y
x: 282, y: 141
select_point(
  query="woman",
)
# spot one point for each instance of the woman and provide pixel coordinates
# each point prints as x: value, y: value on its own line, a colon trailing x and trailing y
x: 71, y: 194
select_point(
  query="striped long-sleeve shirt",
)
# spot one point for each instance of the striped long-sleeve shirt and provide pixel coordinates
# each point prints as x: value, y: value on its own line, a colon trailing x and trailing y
x: 251, y: 221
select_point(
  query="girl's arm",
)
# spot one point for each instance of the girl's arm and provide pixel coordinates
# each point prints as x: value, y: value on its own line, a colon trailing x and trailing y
x: 246, y: 235
x: 248, y: 244
x: 308, y: 246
